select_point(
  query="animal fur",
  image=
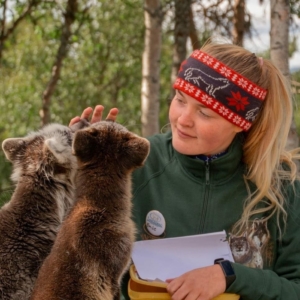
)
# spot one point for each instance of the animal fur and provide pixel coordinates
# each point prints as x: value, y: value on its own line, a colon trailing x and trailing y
x: 249, y: 248
x: 241, y: 249
x: 93, y: 248
x: 44, y: 171
x: 259, y: 234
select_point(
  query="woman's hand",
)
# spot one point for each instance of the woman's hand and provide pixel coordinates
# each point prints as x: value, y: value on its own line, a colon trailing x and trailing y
x: 96, y: 115
x: 201, y: 284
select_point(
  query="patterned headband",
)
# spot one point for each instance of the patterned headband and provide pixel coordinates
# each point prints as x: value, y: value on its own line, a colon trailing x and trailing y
x: 228, y: 93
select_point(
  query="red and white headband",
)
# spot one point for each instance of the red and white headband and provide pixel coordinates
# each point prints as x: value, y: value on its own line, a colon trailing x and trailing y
x: 217, y: 86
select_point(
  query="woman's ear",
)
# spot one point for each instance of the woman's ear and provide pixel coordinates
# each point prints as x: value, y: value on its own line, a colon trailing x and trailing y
x: 237, y: 129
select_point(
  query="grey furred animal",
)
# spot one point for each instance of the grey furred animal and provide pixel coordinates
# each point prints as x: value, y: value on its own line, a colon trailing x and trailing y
x: 92, y: 250
x: 44, y: 172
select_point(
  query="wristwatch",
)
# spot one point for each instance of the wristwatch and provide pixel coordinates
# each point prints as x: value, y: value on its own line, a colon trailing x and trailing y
x: 227, y: 270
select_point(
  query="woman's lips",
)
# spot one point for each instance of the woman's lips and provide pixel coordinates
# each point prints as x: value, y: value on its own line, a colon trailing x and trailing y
x: 183, y: 135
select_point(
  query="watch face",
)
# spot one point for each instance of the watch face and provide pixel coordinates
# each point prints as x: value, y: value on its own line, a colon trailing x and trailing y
x: 227, y: 267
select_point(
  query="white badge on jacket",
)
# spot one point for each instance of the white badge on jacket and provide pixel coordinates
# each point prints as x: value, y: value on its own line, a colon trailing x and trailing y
x: 155, y: 223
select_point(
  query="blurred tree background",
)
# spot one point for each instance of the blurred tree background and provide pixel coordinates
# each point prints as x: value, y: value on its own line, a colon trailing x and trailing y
x: 58, y: 57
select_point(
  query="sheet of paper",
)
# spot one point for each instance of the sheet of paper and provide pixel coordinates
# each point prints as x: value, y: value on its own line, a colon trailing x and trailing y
x: 171, y: 257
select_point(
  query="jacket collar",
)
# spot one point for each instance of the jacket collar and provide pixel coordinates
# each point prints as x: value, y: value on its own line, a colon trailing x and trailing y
x: 220, y: 169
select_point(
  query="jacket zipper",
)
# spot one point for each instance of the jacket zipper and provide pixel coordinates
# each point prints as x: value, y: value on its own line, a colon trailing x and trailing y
x: 206, y: 174
x: 205, y: 202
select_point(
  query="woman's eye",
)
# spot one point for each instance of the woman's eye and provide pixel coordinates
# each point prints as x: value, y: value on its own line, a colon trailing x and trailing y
x: 203, y: 114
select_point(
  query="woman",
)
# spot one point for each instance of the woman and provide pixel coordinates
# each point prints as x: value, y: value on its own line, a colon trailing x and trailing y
x: 222, y: 166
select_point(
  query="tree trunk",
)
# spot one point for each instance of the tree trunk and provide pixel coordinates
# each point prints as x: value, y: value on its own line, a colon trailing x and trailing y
x: 279, y: 39
x: 151, y: 68
x: 193, y: 32
x: 70, y: 16
x: 238, y: 22
x: 181, y: 34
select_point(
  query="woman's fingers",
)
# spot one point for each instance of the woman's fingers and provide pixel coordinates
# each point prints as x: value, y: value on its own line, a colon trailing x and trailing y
x: 98, y: 112
x: 74, y: 121
x: 112, y: 115
x: 95, y: 115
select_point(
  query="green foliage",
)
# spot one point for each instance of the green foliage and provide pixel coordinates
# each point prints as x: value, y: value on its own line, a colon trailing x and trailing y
x: 103, y: 66
x: 295, y: 7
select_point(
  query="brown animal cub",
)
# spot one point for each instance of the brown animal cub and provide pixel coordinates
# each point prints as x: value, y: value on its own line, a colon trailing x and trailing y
x: 44, y: 171
x: 93, y: 248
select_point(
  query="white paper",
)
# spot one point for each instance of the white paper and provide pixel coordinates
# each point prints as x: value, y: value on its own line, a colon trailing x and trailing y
x: 167, y: 258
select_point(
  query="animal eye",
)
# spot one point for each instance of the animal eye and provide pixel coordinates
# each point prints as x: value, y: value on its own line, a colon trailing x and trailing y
x: 94, y: 133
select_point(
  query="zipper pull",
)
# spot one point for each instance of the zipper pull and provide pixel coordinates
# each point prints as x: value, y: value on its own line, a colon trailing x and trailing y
x: 207, y: 173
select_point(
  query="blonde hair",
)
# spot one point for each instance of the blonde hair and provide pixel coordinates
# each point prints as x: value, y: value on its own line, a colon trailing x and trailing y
x: 264, y: 149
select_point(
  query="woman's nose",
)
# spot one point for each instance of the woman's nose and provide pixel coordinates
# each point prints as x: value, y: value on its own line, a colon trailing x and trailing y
x: 185, y: 118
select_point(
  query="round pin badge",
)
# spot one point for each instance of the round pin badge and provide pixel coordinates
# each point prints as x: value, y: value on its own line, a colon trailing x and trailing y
x: 155, y: 223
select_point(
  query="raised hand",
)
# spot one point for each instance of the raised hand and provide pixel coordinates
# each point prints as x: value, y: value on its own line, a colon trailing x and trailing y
x: 95, y: 115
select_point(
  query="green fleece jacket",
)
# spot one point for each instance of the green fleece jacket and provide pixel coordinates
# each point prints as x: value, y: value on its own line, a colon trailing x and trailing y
x: 195, y: 197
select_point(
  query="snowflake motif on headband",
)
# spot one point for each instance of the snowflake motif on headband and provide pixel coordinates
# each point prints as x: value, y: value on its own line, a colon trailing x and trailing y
x: 182, y: 64
x: 243, y: 83
x: 225, y: 71
x: 189, y: 88
x: 223, y: 110
x: 238, y: 101
x: 206, y: 99
x: 208, y: 60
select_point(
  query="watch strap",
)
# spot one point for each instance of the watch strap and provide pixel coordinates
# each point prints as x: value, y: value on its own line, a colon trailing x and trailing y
x: 227, y: 270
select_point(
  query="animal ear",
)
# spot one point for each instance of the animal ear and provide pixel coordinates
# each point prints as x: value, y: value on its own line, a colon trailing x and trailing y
x: 12, y: 147
x: 253, y: 225
x: 264, y: 221
x: 83, y: 142
x: 138, y: 149
x: 83, y: 123
x: 57, y: 149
